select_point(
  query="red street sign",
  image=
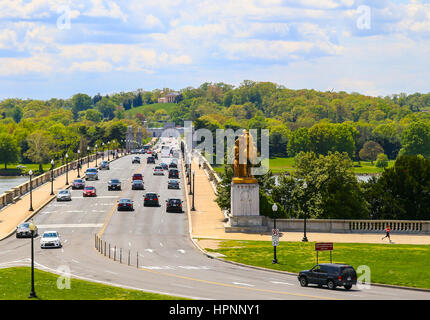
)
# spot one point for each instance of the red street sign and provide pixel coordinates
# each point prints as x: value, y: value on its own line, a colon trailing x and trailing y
x: 324, y: 246
x: 275, y: 232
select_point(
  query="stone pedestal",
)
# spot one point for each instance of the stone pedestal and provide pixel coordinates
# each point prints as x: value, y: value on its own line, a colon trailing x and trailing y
x: 245, y: 199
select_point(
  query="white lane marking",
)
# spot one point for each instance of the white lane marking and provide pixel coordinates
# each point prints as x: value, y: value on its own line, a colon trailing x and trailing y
x: 98, y: 197
x: 280, y: 282
x: 161, y: 244
x: 110, y: 272
x: 244, y: 284
x: 181, y: 285
x: 71, y: 225
x: 149, y: 250
x: 129, y: 244
x: 65, y: 241
x: 75, y: 211
x: 181, y: 251
x: 75, y: 261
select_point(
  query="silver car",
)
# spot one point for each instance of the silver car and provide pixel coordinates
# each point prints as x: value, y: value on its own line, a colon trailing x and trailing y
x: 104, y: 165
x: 64, y: 195
x: 23, y: 231
x: 50, y: 239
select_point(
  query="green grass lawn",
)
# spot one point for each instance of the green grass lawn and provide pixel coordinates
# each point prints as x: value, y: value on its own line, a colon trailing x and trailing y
x: 155, y: 106
x: 279, y: 165
x: 15, y: 285
x: 396, y: 264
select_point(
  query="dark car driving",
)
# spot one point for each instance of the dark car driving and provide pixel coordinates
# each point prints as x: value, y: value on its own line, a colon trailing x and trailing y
x: 331, y: 275
x: 173, y: 184
x: 125, y: 204
x: 174, y: 205
x: 173, y: 174
x: 173, y: 164
x: 137, y: 185
x: 151, y: 199
x: 114, y: 184
x: 150, y: 160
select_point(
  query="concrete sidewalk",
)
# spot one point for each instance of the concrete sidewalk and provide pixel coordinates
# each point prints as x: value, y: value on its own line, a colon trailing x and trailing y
x: 207, y: 222
x: 14, y: 214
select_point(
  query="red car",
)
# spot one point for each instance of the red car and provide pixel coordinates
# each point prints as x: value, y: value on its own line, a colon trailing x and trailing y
x: 137, y: 176
x: 89, y: 192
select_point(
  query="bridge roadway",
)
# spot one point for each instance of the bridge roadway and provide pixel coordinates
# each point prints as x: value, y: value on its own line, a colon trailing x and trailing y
x: 168, y: 261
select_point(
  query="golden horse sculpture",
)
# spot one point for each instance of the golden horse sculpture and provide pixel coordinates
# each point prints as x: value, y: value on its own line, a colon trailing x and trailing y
x: 245, y: 150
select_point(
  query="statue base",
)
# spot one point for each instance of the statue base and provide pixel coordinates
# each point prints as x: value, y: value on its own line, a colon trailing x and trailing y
x: 244, y: 180
x: 245, y: 199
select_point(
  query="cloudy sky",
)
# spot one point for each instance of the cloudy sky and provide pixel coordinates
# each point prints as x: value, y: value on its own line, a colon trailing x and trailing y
x: 56, y: 48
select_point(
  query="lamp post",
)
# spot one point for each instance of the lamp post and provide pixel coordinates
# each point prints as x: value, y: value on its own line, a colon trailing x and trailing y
x: 88, y: 156
x: 52, y: 177
x: 103, y: 151
x: 97, y: 152
x: 67, y: 169
x: 274, y: 209
x: 31, y: 191
x: 305, y: 239
x: 79, y: 161
x: 108, y: 149
x: 194, y: 189
x: 32, y: 229
x: 189, y: 168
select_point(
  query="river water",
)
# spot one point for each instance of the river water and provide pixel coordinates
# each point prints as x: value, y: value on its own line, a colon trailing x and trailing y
x: 7, y: 183
x: 360, y: 178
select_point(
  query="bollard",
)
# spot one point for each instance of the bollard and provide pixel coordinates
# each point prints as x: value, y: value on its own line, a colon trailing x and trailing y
x: 114, y: 254
x: 109, y: 250
x: 95, y: 240
x: 105, y: 248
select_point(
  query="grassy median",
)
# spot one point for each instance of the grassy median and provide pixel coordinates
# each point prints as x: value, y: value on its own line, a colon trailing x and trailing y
x: 395, y: 264
x: 15, y: 285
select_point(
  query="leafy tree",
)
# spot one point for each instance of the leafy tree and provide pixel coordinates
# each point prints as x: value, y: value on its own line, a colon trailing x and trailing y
x: 370, y: 151
x: 9, y: 150
x: 40, y: 144
x: 416, y: 139
x: 382, y: 161
x: 106, y: 107
x: 81, y: 102
x: 298, y: 141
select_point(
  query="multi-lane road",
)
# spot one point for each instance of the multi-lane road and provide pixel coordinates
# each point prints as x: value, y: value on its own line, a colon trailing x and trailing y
x: 168, y: 260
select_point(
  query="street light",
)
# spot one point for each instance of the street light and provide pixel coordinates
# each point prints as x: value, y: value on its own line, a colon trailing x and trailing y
x: 67, y: 170
x: 52, y: 177
x: 305, y: 239
x: 31, y: 190
x: 194, y: 189
x: 274, y: 209
x: 97, y: 152
x: 108, y: 149
x: 88, y: 155
x: 32, y: 227
x: 103, y: 149
x: 79, y: 161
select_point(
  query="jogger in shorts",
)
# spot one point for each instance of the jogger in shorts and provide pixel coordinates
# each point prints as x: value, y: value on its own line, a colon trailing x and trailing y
x: 387, y: 235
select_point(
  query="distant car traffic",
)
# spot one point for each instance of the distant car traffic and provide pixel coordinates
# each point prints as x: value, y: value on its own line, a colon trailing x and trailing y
x: 137, y: 176
x: 137, y: 185
x: 173, y: 184
x: 174, y: 205
x: 151, y: 199
x: 125, y: 204
x: 91, y: 174
x: 150, y: 160
x: 135, y: 160
x: 173, y: 174
x: 164, y: 165
x: 64, y: 195
x: 114, y: 184
x: 331, y: 275
x: 158, y: 171
x: 89, y: 191
x: 78, y: 184
x: 50, y: 239
x: 173, y: 164
x: 23, y: 231
x: 104, y: 165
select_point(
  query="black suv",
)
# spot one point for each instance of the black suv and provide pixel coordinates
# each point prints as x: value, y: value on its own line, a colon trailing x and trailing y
x: 151, y: 199
x: 173, y: 174
x: 173, y: 205
x: 329, y: 274
x: 114, y: 184
x: 150, y: 159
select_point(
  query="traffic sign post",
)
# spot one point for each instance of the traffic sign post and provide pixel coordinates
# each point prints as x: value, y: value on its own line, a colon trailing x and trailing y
x: 324, y: 246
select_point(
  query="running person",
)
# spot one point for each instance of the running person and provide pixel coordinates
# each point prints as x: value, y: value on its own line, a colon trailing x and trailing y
x: 387, y: 235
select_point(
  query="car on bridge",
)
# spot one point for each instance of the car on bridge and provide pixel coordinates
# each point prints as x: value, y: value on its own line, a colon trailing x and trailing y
x: 137, y: 176
x: 64, y: 195
x: 89, y: 191
x: 23, y: 231
x: 331, y: 275
x: 135, y: 160
x: 104, y: 165
x: 151, y: 200
x: 91, y: 174
x: 174, y: 205
x: 158, y: 171
x: 173, y: 184
x: 137, y: 185
x: 50, y: 239
x: 150, y: 159
x: 114, y: 184
x: 173, y: 164
x: 78, y: 184
x: 125, y: 204
x: 164, y: 165
x: 173, y: 174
